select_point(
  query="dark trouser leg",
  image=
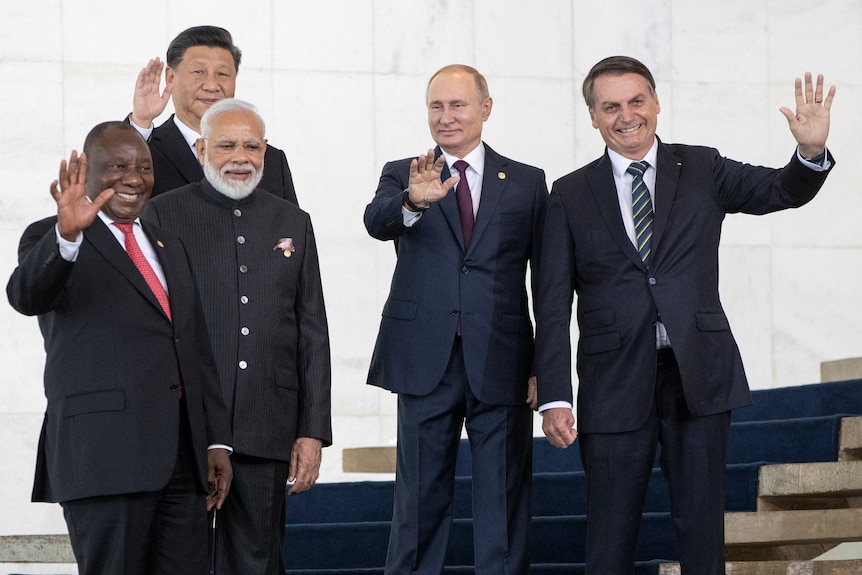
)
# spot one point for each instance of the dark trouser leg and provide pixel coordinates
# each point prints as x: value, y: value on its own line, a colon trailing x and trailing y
x: 429, y: 428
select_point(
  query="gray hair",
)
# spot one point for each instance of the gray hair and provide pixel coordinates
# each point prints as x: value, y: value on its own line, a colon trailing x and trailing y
x: 225, y: 106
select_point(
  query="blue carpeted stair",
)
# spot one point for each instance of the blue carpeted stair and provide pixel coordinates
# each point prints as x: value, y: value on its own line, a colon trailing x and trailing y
x: 343, y: 528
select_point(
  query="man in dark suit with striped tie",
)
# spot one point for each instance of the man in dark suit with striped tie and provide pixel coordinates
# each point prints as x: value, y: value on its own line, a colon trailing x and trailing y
x: 255, y: 260
x: 635, y: 234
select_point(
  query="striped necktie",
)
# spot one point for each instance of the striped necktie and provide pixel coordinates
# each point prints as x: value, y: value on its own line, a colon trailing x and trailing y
x: 641, y: 210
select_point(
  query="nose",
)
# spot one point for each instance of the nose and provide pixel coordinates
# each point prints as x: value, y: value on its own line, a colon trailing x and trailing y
x: 210, y: 82
x: 132, y: 178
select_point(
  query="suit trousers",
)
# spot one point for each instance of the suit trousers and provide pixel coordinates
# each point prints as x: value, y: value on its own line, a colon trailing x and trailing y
x: 156, y: 533
x: 250, y: 525
x: 618, y: 467
x: 429, y: 431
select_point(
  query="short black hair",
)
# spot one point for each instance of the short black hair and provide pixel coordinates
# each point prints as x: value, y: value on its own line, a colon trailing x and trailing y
x: 616, y: 66
x: 209, y: 36
x: 99, y: 130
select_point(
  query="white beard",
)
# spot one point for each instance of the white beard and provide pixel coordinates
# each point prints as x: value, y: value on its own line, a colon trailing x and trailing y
x: 236, y: 190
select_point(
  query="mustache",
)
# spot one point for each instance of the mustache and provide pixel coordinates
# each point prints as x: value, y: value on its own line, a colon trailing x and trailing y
x: 240, y: 168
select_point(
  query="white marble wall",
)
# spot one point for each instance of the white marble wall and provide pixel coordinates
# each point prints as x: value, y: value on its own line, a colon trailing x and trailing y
x: 341, y: 84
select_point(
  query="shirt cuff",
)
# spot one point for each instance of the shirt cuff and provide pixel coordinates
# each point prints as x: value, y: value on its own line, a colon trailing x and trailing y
x: 553, y: 404
x: 822, y: 163
x: 68, y: 250
x: 220, y: 446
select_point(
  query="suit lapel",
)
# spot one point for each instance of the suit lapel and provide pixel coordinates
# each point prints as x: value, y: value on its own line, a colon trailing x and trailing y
x: 104, y: 241
x: 449, y: 205
x: 494, y: 181
x: 604, y: 190
x: 168, y: 139
x: 667, y: 178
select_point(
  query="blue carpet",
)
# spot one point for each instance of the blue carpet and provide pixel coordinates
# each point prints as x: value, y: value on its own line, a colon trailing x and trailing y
x: 343, y: 529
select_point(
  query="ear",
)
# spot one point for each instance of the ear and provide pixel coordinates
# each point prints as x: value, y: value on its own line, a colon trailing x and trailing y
x: 201, y: 148
x: 486, y: 108
x: 169, y: 75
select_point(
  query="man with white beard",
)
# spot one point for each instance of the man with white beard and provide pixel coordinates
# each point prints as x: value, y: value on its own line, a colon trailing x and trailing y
x: 255, y: 262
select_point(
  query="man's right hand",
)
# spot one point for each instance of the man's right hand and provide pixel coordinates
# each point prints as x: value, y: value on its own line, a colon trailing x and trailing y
x: 147, y: 103
x: 424, y: 187
x: 75, y: 211
x: 558, y: 423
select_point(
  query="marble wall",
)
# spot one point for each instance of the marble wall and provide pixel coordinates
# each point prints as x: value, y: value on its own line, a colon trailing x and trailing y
x: 341, y: 84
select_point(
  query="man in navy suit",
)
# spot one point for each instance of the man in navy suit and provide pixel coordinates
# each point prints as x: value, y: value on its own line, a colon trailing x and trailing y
x: 635, y: 234
x: 202, y: 66
x: 456, y: 340
x: 135, y: 434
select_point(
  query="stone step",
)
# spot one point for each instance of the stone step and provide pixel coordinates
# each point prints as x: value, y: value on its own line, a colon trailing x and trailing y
x: 851, y: 439
x: 368, y: 459
x: 830, y: 485
x: 35, y: 549
x: 849, y: 567
x: 799, y: 534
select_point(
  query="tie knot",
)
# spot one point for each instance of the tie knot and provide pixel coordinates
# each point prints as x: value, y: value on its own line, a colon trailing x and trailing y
x: 125, y: 228
x: 461, y: 166
x: 637, y: 168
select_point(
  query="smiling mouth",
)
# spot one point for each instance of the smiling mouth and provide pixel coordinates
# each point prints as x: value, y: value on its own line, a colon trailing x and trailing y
x: 124, y: 196
x: 631, y: 130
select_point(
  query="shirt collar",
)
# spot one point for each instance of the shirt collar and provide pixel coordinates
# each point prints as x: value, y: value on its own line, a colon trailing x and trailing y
x: 620, y: 163
x: 189, y: 135
x: 475, y: 158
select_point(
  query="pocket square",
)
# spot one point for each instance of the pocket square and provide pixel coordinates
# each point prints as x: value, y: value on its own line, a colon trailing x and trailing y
x: 285, y: 244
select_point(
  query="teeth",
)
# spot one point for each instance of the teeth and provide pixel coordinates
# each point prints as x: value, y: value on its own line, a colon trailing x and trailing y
x: 126, y: 196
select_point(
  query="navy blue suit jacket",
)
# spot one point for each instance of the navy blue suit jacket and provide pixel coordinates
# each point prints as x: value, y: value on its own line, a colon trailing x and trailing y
x: 619, y: 300
x: 437, y: 282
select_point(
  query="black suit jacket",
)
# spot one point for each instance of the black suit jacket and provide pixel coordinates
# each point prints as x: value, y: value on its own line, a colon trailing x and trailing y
x: 436, y: 282
x: 265, y: 312
x: 620, y: 300
x: 113, y: 364
x: 175, y: 165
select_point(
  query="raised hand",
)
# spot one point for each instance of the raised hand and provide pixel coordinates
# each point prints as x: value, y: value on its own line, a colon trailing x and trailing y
x: 810, y: 123
x: 147, y: 103
x: 75, y: 211
x: 424, y: 187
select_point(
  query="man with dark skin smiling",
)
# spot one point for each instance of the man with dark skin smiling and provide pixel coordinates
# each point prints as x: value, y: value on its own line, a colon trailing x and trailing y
x: 656, y: 360
x: 202, y: 67
x: 135, y: 440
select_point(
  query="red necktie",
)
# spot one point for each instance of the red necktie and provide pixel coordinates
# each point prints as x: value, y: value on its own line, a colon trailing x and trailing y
x: 465, y: 202
x: 140, y: 261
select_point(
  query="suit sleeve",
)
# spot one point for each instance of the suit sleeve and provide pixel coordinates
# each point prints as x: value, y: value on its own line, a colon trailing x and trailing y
x: 289, y: 190
x: 313, y: 357
x: 554, y: 306
x: 38, y: 283
x: 383, y: 216
x: 758, y: 190
x: 540, y: 205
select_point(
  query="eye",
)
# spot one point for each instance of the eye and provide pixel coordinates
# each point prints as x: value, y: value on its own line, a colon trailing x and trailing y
x: 146, y: 170
x: 252, y: 147
x: 226, y: 147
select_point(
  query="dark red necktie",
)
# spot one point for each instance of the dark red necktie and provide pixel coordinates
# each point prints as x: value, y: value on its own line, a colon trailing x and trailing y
x: 140, y: 261
x: 465, y: 202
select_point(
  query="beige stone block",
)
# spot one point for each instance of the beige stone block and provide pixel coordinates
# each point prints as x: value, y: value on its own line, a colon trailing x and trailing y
x: 368, y: 460
x: 36, y: 549
x: 841, y: 369
x: 852, y: 567
x: 809, y: 485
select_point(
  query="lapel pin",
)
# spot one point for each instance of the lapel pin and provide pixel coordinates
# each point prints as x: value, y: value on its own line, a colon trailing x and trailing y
x: 501, y: 175
x: 285, y: 244
x: 160, y: 244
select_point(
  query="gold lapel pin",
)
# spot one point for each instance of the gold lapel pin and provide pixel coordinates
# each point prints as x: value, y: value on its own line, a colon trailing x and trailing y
x: 159, y: 242
x: 501, y: 175
x: 287, y: 253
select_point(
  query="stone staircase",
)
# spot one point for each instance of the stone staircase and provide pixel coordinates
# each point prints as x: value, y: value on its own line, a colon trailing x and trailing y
x: 804, y: 510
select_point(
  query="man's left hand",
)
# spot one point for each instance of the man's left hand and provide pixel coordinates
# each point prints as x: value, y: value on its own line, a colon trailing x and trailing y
x: 810, y: 124
x: 220, y: 476
x: 532, y: 394
x: 304, y: 464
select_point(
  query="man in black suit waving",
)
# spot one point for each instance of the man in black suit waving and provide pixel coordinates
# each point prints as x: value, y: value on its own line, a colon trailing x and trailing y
x: 202, y: 66
x: 636, y: 234
x: 136, y: 433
